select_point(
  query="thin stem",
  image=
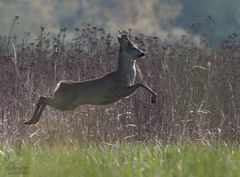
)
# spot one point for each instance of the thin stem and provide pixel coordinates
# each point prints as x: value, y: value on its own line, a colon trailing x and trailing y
x: 11, y: 30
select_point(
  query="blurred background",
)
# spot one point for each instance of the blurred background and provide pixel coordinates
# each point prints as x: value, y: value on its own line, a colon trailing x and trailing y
x: 163, y: 18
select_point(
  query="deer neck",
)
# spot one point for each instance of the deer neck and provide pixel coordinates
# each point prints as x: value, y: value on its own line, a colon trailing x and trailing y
x: 126, y: 67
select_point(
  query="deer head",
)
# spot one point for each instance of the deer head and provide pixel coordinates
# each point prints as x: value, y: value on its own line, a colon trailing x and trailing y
x: 128, y: 48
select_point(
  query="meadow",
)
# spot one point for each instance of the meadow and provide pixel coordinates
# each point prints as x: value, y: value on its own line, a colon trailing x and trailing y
x: 192, y: 130
x: 136, y: 159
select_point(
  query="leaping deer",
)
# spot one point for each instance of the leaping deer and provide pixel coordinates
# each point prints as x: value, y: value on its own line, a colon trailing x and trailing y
x: 108, y: 89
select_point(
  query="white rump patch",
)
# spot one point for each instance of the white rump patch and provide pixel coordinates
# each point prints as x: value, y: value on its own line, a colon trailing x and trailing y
x: 57, y: 87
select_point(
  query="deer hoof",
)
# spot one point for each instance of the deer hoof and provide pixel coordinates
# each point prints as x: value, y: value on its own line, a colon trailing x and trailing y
x: 153, y: 100
x: 27, y: 123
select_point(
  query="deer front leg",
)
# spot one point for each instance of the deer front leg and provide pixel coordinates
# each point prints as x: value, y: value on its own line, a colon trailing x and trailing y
x: 131, y: 89
x: 146, y: 87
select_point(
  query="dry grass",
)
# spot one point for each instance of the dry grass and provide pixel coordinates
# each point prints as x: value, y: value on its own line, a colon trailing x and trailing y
x: 198, y: 89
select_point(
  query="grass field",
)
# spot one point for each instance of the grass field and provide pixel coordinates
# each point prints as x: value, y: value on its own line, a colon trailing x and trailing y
x: 121, y: 160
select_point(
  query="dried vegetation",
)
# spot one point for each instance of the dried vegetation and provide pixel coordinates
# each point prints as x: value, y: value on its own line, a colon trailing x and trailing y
x: 198, y: 88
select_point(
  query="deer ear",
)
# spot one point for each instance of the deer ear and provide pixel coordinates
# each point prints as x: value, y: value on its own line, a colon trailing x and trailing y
x: 119, y: 39
x: 120, y: 32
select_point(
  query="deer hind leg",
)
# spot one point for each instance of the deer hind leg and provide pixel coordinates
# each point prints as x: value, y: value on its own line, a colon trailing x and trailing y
x: 41, y: 104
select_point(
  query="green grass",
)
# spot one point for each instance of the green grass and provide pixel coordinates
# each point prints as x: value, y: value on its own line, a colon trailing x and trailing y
x: 135, y: 160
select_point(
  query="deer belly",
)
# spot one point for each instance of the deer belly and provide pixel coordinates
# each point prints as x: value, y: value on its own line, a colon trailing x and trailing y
x: 102, y: 99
